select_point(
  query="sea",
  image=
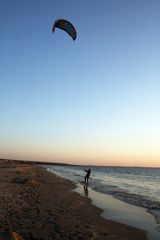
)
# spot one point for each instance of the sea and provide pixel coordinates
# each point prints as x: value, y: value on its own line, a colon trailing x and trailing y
x: 138, y: 186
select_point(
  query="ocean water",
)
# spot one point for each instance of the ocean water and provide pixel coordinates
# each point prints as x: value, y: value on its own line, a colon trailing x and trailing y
x: 138, y: 186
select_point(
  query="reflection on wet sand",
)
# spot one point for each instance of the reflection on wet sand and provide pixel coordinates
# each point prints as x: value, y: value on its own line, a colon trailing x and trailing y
x: 86, y: 189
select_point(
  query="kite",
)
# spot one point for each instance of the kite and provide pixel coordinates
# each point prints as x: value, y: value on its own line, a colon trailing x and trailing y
x: 66, y: 26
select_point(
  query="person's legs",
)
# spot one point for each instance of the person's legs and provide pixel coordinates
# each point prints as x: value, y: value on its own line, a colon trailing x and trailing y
x: 85, y: 179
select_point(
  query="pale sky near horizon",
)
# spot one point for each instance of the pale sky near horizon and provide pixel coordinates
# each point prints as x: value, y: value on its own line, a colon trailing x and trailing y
x: 92, y: 101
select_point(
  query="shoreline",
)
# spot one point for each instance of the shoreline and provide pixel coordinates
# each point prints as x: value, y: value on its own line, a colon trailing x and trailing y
x: 152, y: 205
x: 38, y: 204
x: 121, y: 211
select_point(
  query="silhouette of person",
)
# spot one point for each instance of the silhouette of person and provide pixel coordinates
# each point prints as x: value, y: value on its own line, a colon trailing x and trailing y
x: 87, y: 175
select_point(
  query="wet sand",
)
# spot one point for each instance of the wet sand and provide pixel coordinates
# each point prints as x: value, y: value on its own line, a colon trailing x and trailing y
x: 122, y: 212
x: 39, y: 205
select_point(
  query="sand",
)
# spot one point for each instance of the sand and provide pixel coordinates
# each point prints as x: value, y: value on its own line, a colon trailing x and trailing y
x: 40, y: 205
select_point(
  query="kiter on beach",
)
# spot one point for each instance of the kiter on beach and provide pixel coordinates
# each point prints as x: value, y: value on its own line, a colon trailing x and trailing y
x: 87, y: 175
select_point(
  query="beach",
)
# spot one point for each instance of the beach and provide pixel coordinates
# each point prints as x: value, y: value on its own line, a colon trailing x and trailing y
x: 37, y: 204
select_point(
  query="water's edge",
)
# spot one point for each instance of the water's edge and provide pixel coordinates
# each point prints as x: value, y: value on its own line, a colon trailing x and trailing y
x: 120, y: 211
x: 125, y: 213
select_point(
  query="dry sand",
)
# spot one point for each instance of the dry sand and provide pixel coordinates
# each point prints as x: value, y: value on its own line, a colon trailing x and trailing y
x: 39, y: 205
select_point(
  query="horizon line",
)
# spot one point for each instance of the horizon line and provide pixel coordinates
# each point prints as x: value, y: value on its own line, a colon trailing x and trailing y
x: 70, y: 164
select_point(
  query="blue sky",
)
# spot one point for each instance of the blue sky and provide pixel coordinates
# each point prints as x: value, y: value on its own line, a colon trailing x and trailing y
x: 95, y: 99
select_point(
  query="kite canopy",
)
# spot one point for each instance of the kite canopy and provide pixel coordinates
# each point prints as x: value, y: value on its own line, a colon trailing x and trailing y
x: 66, y: 26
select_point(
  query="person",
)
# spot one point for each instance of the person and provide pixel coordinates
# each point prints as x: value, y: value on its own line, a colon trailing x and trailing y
x: 87, y: 175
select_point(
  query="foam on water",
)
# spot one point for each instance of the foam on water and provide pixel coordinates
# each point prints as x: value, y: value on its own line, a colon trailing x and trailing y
x: 137, y: 181
x: 118, y: 211
x: 136, y: 186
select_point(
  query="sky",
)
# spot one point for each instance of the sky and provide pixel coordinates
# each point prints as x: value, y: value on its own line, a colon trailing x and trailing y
x: 94, y: 100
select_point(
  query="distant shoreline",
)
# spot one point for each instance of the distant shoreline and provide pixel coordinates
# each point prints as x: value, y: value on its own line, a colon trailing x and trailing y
x: 34, y: 162
x: 68, y: 164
